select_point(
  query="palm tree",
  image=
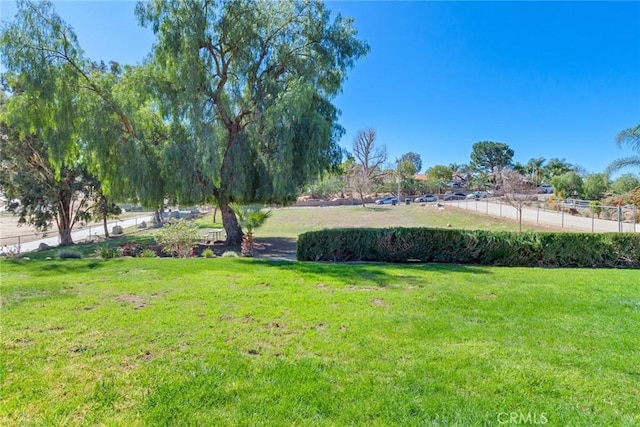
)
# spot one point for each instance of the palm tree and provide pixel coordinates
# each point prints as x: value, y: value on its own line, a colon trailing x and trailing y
x: 629, y: 137
x: 249, y: 218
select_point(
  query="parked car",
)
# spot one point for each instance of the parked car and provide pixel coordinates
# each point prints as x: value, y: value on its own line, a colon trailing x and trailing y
x: 425, y: 198
x: 455, y: 196
x: 545, y: 188
x: 457, y: 184
x: 477, y: 195
x: 390, y: 200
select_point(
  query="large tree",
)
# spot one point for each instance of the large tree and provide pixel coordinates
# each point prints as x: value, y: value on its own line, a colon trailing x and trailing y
x: 247, y: 88
x: 491, y: 157
x: 40, y: 192
x: 84, y: 114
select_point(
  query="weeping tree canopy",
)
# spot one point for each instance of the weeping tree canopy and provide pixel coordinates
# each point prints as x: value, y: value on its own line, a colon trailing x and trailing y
x: 235, y: 102
x: 101, y: 116
x: 247, y: 87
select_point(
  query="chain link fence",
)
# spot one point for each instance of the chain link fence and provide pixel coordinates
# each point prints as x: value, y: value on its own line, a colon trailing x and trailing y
x: 565, y: 214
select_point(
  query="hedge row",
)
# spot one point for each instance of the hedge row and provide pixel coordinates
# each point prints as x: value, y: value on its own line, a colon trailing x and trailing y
x: 471, y: 247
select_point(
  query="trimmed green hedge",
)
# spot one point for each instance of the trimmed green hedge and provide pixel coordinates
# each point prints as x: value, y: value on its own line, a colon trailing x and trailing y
x: 471, y: 247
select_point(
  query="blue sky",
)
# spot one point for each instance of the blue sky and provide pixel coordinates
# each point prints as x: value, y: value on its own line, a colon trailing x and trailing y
x: 550, y: 79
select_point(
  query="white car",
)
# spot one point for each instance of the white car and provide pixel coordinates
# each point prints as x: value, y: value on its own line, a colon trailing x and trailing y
x: 477, y: 195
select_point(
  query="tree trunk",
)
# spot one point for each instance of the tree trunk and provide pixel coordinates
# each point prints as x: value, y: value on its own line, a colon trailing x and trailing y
x: 106, y: 229
x: 231, y: 226
x: 65, y: 222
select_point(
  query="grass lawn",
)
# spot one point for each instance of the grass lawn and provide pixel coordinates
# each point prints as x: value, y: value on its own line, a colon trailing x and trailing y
x: 290, y: 222
x: 253, y: 342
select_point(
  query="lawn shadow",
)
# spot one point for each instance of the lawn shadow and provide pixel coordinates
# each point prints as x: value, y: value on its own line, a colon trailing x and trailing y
x: 368, y: 272
x: 46, y: 268
x: 283, y: 248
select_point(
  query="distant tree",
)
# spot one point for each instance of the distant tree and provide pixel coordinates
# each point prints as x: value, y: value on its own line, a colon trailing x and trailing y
x: 625, y: 183
x: 440, y: 176
x: 369, y: 161
x: 407, y: 166
x: 556, y: 167
x: 103, y: 208
x: 515, y: 190
x: 595, y: 186
x: 535, y: 168
x: 568, y: 184
x: 412, y: 163
x: 630, y: 137
x: 491, y: 157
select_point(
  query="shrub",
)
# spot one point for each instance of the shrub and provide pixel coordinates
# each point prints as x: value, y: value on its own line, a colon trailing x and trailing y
x: 68, y: 254
x: 178, y: 238
x: 148, y: 253
x: 105, y: 252
x: 230, y: 254
x: 471, y: 247
x: 208, y: 253
x: 130, y: 249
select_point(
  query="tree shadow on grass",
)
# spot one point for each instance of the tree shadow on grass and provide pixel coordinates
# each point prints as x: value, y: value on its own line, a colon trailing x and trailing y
x: 67, y: 266
x: 380, y: 274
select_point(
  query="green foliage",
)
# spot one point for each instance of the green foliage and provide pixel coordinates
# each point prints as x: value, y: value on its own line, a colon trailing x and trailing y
x: 567, y: 185
x: 148, y: 253
x: 630, y: 137
x: 490, y: 157
x: 106, y: 252
x: 230, y: 254
x: 68, y: 254
x: 556, y: 167
x: 625, y: 183
x: 471, y: 247
x: 250, y: 217
x: 178, y: 238
x: 410, y: 163
x: 208, y: 253
x: 595, y: 207
x: 595, y: 186
x: 255, y: 83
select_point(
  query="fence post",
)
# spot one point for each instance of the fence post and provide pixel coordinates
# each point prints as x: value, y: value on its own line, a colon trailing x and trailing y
x: 538, y: 213
x: 592, y: 222
x: 500, y: 208
x: 19, y: 246
x: 619, y: 219
x: 562, y: 220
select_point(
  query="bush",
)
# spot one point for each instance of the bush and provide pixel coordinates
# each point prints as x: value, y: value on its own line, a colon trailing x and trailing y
x: 178, y: 238
x: 471, y: 247
x: 68, y: 254
x: 105, y: 252
x: 230, y: 254
x: 208, y: 253
x: 148, y: 253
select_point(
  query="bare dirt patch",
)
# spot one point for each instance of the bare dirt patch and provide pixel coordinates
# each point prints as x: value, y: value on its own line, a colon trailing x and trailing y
x: 137, y: 301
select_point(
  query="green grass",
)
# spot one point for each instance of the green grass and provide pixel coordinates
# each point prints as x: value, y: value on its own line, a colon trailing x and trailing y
x: 250, y: 342
x: 290, y: 222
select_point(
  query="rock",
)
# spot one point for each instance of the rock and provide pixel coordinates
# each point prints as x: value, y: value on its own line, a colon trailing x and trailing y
x: 117, y: 230
x: 43, y: 246
x: 143, y: 224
